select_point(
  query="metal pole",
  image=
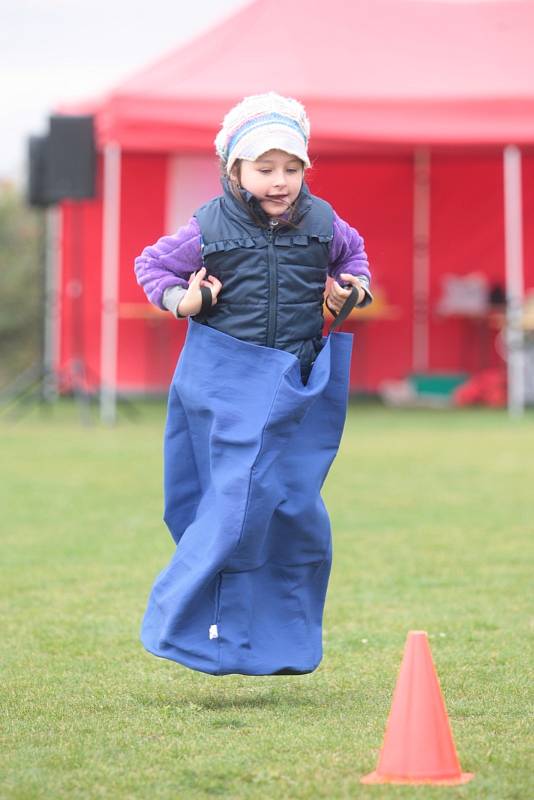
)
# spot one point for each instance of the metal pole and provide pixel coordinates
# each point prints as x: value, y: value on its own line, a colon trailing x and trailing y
x: 421, y: 259
x: 51, y: 306
x: 110, y: 283
x: 513, y: 236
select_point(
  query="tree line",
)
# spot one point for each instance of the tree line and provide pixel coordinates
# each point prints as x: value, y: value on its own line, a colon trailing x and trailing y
x: 21, y: 283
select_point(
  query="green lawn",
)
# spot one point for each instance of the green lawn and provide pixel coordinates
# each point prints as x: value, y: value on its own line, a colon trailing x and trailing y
x: 433, y: 517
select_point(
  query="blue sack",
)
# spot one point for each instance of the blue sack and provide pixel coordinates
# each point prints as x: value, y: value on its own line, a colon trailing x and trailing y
x: 247, y: 449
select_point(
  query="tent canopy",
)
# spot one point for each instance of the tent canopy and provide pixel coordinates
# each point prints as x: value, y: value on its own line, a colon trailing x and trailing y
x: 380, y: 72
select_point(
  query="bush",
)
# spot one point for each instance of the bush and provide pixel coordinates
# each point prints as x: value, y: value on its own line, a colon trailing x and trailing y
x: 21, y: 279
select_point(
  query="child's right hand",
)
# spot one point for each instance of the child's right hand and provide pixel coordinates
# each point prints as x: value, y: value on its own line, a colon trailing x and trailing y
x: 192, y: 300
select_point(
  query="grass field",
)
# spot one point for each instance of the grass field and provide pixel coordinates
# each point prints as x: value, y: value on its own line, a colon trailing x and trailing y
x: 433, y: 517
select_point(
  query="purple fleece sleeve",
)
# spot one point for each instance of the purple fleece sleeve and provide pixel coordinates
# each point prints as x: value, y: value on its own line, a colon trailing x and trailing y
x: 169, y: 262
x: 347, y: 253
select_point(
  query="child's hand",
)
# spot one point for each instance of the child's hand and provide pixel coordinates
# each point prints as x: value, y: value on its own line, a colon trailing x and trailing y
x: 192, y: 300
x: 337, y: 295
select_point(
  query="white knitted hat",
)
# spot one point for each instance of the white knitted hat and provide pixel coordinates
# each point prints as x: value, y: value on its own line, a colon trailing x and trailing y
x: 260, y: 123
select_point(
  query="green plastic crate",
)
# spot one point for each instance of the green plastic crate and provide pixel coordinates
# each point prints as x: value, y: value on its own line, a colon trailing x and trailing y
x: 442, y: 384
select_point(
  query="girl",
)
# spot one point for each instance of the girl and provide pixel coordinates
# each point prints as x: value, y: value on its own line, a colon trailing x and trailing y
x: 256, y: 406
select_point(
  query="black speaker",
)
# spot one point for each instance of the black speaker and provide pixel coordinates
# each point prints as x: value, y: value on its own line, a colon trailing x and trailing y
x: 71, y: 157
x: 38, y: 183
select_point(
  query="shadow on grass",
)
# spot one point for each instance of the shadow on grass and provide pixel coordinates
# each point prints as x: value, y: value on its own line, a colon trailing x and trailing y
x: 201, y: 701
x: 228, y: 698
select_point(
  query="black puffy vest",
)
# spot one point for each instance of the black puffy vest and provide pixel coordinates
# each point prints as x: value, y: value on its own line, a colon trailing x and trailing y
x: 273, y: 275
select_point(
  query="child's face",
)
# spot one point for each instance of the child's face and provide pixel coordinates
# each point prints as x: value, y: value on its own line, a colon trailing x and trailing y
x: 275, y: 180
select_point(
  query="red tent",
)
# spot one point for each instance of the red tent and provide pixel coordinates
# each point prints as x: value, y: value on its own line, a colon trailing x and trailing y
x: 412, y: 104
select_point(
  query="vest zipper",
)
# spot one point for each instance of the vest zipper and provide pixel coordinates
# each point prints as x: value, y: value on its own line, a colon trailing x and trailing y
x: 273, y: 283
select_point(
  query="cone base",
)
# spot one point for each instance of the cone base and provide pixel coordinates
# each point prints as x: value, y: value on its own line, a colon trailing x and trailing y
x: 375, y: 777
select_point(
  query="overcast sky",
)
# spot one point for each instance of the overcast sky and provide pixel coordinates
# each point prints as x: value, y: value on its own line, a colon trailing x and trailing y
x: 55, y: 50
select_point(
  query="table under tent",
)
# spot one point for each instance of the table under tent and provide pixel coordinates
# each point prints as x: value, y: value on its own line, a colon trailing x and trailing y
x: 422, y: 136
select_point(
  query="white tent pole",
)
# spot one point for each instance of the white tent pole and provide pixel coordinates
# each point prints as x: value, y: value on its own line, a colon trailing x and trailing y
x: 513, y: 235
x: 110, y: 282
x: 421, y: 259
x: 51, y: 348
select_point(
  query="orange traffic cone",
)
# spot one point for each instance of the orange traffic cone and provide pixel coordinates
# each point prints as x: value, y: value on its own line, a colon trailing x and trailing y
x: 418, y: 745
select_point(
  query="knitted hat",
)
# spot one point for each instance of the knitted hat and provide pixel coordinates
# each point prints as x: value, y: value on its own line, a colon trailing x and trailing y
x: 260, y: 123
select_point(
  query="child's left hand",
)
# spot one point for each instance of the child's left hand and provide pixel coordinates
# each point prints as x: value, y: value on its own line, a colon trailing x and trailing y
x: 337, y: 295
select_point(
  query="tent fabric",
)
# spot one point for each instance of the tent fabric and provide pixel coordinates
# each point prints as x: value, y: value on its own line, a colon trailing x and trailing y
x: 392, y: 72
x: 383, y: 82
x: 245, y: 589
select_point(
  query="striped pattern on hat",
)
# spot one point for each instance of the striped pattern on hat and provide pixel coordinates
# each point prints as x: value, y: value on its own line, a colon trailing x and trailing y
x: 260, y: 123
